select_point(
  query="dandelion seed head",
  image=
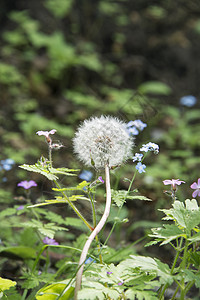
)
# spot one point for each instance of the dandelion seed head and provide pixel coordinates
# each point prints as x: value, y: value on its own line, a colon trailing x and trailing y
x: 103, y: 140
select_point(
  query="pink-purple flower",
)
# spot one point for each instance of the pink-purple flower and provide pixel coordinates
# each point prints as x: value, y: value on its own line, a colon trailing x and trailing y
x: 49, y: 241
x: 100, y: 179
x: 46, y: 133
x: 27, y: 184
x: 173, y: 182
x: 196, y: 186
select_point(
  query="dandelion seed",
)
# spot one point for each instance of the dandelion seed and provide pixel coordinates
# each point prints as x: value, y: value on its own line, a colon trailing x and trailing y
x: 101, y: 141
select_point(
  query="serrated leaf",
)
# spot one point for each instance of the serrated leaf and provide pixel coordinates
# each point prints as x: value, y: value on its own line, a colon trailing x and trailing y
x: 167, y: 233
x: 150, y: 265
x: 7, y: 212
x: 187, y: 216
x: 39, y: 169
x: 132, y: 293
x: 6, y: 284
x: 63, y: 171
x: 119, y: 197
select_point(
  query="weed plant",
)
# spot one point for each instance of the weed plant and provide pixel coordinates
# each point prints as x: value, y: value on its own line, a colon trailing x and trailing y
x: 47, y: 255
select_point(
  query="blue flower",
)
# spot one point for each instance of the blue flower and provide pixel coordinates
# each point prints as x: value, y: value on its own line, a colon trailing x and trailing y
x: 132, y: 130
x: 140, y: 167
x: 86, y: 175
x: 133, y: 127
x: 89, y: 260
x: 150, y: 147
x: 7, y: 164
x: 188, y: 100
x: 137, y: 157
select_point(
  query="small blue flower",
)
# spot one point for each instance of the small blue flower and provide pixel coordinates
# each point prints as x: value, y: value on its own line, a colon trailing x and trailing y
x: 140, y: 167
x: 132, y: 130
x: 137, y: 157
x: 7, y: 164
x: 188, y: 100
x: 89, y: 260
x: 133, y: 127
x: 139, y: 124
x: 86, y: 175
x: 150, y: 147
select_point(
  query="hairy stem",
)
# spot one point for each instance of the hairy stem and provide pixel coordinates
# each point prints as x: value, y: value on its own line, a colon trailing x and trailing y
x: 94, y: 233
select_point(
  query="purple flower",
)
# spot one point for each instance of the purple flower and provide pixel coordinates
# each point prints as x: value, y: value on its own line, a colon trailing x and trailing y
x: 120, y: 283
x: 46, y: 133
x: 196, y: 186
x: 150, y: 147
x: 188, y: 100
x: 137, y: 157
x: 86, y: 175
x: 49, y: 241
x: 20, y: 207
x: 140, y: 167
x: 27, y: 184
x: 100, y: 179
x: 173, y: 182
x: 109, y: 273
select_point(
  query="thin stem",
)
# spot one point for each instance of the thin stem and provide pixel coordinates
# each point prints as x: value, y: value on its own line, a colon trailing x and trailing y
x: 162, y: 290
x: 94, y: 233
x: 113, y: 227
x: 74, y: 207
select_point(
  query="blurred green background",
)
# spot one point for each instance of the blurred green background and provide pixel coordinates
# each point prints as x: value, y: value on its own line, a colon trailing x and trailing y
x: 62, y: 61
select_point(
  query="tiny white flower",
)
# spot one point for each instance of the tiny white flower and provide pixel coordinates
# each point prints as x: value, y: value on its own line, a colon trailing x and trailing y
x: 101, y: 141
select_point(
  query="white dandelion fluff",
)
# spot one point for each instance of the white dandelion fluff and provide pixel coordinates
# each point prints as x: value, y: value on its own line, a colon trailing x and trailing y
x: 101, y: 141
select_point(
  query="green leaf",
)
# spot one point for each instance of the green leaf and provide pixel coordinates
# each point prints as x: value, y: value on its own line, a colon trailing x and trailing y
x: 150, y: 265
x: 192, y: 276
x: 48, y: 229
x: 39, y: 169
x: 167, y: 233
x: 154, y: 87
x: 6, y: 284
x: 18, y: 252
x: 187, y: 216
x: 119, y: 197
x: 63, y: 171
x: 7, y: 212
x: 133, y: 293
x: 52, y: 292
x: 137, y: 197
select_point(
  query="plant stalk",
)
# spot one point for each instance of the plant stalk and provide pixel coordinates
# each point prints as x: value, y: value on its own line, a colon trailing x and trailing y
x: 94, y: 233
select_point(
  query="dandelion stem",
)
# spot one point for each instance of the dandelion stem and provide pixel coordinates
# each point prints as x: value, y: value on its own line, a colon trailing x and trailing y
x: 94, y: 233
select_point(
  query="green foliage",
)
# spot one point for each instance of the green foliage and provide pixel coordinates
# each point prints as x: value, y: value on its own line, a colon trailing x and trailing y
x: 18, y: 252
x: 6, y: 284
x: 52, y: 291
